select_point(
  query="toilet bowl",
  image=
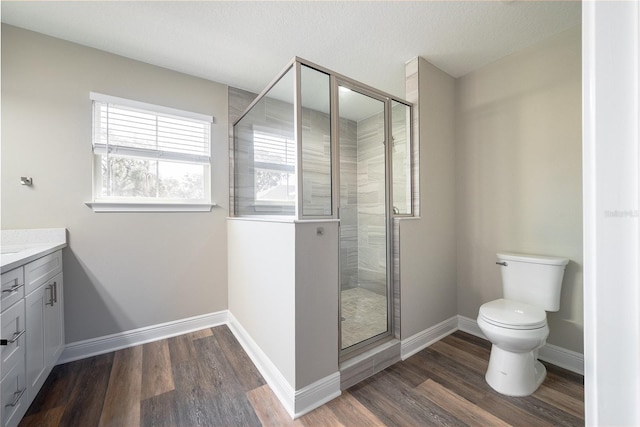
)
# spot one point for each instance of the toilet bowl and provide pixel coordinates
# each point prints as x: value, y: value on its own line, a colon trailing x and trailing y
x: 516, y: 331
x: 516, y: 325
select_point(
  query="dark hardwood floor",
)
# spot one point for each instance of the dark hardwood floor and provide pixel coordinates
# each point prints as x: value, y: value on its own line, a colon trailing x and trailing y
x: 206, y: 379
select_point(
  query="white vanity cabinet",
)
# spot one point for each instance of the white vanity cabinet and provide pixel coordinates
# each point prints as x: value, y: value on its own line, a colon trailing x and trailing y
x: 33, y: 325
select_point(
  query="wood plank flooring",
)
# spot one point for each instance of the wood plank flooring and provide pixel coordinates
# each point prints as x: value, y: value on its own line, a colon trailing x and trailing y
x: 206, y: 379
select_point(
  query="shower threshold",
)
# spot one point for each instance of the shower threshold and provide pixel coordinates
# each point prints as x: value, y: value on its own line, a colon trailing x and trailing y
x: 363, y: 365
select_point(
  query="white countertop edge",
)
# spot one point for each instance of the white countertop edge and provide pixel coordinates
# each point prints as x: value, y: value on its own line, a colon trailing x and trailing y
x: 32, y: 236
x: 28, y: 254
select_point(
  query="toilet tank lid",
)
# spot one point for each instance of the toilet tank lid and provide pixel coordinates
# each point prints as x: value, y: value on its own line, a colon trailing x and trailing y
x: 536, y: 259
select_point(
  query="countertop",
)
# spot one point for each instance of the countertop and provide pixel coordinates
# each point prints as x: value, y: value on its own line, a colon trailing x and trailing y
x: 19, y: 247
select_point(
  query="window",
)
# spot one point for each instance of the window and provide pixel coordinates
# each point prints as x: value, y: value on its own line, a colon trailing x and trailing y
x: 274, y: 159
x: 148, y: 154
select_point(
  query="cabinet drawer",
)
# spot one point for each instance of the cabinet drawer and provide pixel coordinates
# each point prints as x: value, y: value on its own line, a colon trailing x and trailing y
x: 12, y: 287
x: 14, y: 396
x: 13, y: 330
x: 37, y: 272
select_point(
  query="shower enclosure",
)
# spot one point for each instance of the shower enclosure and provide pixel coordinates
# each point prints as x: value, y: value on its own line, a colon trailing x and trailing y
x: 318, y: 146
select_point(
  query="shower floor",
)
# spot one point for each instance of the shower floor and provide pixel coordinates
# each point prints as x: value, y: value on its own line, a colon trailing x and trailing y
x: 364, y: 313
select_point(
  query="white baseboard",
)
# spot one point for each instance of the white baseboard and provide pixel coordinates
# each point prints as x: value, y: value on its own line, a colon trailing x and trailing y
x: 295, y: 402
x: 421, y: 340
x: 95, y: 346
x: 317, y: 394
x: 553, y: 354
x: 470, y: 326
x: 567, y: 359
x: 280, y: 386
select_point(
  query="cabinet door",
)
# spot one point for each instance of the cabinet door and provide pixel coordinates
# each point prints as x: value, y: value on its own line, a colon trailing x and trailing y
x: 36, y: 361
x: 38, y: 272
x: 13, y: 328
x: 45, y: 331
x: 12, y: 287
x: 54, y: 324
x: 14, y: 396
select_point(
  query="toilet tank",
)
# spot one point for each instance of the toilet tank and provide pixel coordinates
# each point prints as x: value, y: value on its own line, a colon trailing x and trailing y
x: 532, y: 279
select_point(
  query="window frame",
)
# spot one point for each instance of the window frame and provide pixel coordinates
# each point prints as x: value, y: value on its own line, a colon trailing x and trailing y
x: 102, y: 203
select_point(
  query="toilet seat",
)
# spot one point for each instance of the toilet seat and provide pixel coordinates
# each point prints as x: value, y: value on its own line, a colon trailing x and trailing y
x: 513, y: 314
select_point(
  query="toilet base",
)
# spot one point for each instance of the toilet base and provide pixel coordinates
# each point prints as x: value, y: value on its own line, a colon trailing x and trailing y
x: 514, y: 374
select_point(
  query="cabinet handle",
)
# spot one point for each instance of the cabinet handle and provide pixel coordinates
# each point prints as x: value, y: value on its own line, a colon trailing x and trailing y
x: 55, y: 291
x: 50, y: 287
x: 13, y: 289
x: 17, y: 395
x: 16, y: 337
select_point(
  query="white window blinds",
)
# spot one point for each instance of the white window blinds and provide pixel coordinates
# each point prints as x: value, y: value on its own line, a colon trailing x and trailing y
x: 129, y: 128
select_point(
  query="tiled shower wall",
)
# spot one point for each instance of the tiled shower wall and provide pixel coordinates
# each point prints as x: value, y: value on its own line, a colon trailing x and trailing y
x: 371, y: 218
x: 370, y: 215
x: 348, y: 204
x: 316, y: 163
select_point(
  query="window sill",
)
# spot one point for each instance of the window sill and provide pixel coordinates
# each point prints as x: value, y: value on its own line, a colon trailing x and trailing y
x: 149, y: 207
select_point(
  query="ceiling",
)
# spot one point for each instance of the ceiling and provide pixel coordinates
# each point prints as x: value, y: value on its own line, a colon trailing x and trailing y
x: 246, y: 44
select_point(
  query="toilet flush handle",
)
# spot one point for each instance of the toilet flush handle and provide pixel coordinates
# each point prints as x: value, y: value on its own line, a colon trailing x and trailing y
x: 503, y: 263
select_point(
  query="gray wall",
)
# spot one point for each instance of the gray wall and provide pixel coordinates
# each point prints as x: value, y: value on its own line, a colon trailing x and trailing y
x: 518, y: 172
x: 427, y: 244
x: 500, y: 169
x: 316, y: 301
x: 125, y: 270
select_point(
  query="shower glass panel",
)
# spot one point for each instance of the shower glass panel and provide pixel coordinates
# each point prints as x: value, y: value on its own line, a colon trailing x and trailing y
x: 401, y: 155
x: 318, y: 146
x: 315, y: 95
x: 265, y: 154
x: 363, y: 218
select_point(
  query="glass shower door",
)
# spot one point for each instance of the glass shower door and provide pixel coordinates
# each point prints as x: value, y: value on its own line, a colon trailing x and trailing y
x: 364, y: 292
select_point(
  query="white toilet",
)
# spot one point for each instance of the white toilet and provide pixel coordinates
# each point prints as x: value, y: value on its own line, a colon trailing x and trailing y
x: 516, y: 325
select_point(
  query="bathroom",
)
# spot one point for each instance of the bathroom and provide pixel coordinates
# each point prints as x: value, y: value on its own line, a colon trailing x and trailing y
x: 480, y: 192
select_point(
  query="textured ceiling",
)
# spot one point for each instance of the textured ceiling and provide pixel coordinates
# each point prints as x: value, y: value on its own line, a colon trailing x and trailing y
x: 245, y: 44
